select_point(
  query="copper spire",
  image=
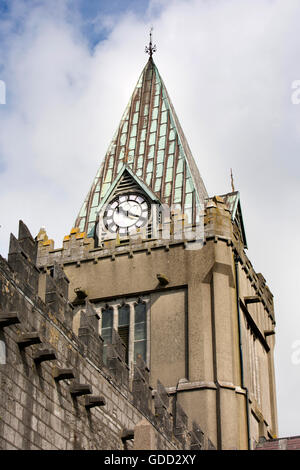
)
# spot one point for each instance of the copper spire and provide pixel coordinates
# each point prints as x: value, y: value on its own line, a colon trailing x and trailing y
x: 150, y: 49
x: 137, y: 151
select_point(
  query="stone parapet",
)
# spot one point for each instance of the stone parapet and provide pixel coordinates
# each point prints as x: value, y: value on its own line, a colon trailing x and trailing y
x: 55, y: 391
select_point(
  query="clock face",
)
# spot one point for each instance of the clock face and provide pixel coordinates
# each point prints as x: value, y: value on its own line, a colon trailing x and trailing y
x: 126, y: 213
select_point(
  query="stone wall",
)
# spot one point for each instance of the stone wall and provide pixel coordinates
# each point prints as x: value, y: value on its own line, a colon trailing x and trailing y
x: 55, y: 391
x: 284, y: 443
x: 216, y: 303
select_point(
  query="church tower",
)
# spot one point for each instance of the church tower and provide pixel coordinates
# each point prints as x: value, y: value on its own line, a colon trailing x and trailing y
x: 165, y: 266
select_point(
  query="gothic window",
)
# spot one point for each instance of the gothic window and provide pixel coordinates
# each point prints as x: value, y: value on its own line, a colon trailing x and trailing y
x: 2, y: 351
x: 140, y: 329
x: 123, y: 326
x: 106, y: 330
x: 129, y: 318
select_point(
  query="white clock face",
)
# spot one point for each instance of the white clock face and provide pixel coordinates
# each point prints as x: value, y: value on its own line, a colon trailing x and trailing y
x: 126, y: 213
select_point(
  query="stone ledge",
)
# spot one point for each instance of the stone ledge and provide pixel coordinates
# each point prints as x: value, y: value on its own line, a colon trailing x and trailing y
x: 202, y: 385
x: 186, y: 386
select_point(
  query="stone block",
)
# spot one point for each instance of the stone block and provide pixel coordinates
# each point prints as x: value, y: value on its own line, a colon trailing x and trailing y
x: 22, y: 265
x: 115, y: 360
x: 141, y: 390
x: 144, y: 436
x: 59, y: 373
x: 77, y: 389
x: 56, y: 295
x: 162, y: 416
x: 180, y: 423
x: 210, y: 445
x: 8, y: 319
x: 92, y: 401
x: 88, y: 334
x: 43, y: 355
x: 197, y: 441
x: 27, y: 243
x: 28, y: 339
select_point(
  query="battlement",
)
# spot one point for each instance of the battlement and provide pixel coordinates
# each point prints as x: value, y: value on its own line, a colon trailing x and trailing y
x: 216, y: 226
x: 56, y: 391
x: 174, y: 228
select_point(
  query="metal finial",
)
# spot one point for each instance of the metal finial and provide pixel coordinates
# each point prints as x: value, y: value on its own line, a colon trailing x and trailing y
x: 150, y: 49
x: 232, y: 183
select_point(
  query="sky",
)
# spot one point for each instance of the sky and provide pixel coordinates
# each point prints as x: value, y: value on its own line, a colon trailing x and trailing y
x: 231, y: 69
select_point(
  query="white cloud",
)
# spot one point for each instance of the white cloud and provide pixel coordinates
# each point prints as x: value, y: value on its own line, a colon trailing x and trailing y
x: 228, y: 67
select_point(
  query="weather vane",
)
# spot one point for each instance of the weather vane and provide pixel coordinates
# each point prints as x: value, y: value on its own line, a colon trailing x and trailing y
x: 150, y: 49
x: 232, y: 183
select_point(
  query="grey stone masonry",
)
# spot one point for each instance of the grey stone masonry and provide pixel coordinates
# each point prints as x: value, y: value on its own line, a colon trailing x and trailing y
x: 115, y: 360
x: 141, y: 389
x: 55, y: 392
x: 197, y: 437
x: 162, y: 415
x: 56, y: 295
x: 180, y: 423
x: 88, y: 333
x: 22, y: 259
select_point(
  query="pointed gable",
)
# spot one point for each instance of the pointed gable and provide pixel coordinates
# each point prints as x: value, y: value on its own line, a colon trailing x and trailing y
x: 126, y: 181
x: 151, y: 143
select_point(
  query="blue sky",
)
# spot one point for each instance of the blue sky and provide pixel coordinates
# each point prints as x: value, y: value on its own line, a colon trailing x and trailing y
x: 91, y: 13
x: 92, y: 10
x: 70, y: 67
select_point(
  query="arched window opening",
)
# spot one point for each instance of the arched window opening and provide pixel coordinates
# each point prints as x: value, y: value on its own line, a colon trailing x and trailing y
x: 123, y: 327
x: 140, y: 330
x: 2, y: 352
x: 106, y: 329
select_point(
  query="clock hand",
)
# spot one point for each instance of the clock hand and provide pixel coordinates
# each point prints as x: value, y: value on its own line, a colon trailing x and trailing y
x: 127, y: 213
x: 130, y: 214
x: 122, y: 211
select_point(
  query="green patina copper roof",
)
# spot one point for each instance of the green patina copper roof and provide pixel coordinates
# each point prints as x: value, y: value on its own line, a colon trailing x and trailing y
x: 151, y: 143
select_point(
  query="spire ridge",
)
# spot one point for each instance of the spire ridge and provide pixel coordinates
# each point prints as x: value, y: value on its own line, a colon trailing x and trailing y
x: 151, y: 48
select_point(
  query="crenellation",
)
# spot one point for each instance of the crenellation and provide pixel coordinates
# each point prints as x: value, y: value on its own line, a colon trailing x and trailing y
x: 151, y: 288
x: 197, y: 437
x: 141, y: 389
x: 217, y: 233
x: 180, y: 424
x: 42, y: 391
